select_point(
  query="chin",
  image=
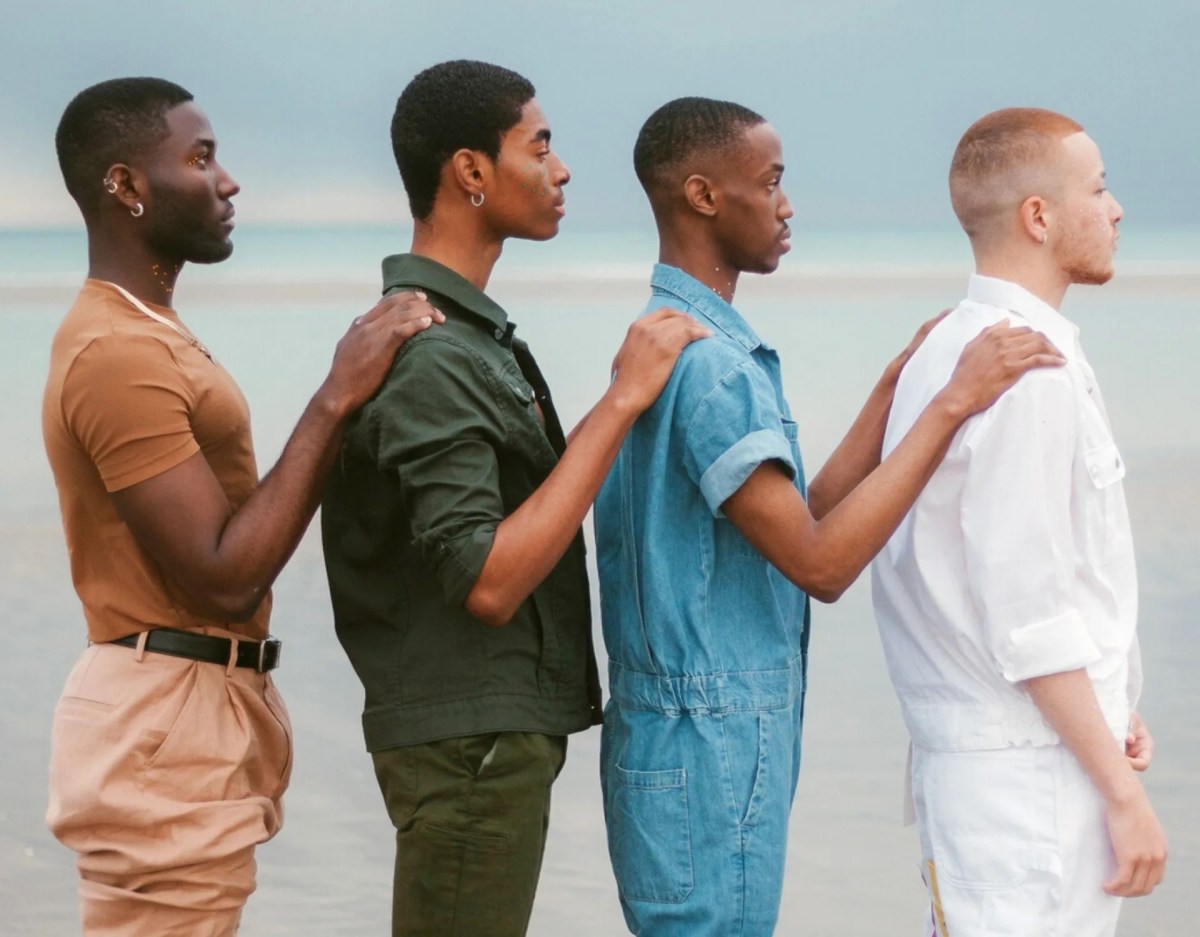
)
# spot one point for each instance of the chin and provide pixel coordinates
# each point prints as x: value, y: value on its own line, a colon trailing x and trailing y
x: 211, y: 253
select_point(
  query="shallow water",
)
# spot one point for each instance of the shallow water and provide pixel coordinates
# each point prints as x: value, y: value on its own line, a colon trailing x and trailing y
x: 852, y: 866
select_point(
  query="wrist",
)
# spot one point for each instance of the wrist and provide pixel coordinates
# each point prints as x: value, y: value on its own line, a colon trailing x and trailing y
x: 330, y: 405
x: 951, y: 406
x: 623, y: 405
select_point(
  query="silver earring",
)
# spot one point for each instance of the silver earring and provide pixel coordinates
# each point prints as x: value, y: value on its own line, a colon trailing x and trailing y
x: 139, y: 211
x: 480, y: 202
x: 110, y: 186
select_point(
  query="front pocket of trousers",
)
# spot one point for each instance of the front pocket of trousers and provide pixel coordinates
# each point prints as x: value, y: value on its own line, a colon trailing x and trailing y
x: 649, y: 834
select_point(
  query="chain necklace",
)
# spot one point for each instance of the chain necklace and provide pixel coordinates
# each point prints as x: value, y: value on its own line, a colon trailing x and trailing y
x: 181, y: 332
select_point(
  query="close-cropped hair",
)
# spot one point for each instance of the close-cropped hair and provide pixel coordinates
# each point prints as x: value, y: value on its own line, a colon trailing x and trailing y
x: 683, y: 132
x: 111, y: 122
x: 1002, y: 159
x: 449, y: 107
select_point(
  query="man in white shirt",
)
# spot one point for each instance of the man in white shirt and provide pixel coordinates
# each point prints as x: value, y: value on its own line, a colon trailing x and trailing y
x: 1007, y: 599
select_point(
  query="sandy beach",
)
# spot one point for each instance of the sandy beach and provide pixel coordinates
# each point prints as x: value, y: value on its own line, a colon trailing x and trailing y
x: 852, y: 865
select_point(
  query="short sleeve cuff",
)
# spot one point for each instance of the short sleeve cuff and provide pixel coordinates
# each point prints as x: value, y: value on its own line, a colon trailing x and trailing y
x: 731, y: 469
x: 1054, y: 645
x: 458, y: 563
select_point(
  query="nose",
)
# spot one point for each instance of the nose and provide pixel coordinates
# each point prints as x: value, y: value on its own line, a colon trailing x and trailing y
x: 227, y: 186
x: 1117, y: 211
x: 564, y: 174
x: 785, y: 207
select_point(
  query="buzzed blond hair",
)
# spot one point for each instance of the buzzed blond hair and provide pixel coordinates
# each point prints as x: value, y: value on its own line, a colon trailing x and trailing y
x: 1002, y: 159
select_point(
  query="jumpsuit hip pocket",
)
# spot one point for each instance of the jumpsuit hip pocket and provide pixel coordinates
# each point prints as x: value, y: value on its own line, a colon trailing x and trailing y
x: 649, y: 834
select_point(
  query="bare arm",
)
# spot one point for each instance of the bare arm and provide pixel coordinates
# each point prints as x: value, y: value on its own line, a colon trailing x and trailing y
x: 1068, y: 703
x: 859, y: 452
x: 824, y: 557
x: 530, y: 541
x: 226, y: 560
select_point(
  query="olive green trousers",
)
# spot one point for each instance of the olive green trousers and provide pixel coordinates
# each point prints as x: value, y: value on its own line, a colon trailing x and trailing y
x: 471, y: 816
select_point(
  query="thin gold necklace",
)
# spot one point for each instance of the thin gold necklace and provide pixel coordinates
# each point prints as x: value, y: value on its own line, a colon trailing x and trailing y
x: 181, y: 332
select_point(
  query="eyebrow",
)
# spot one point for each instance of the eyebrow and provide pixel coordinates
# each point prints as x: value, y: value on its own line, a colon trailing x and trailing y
x: 542, y: 136
x: 205, y: 142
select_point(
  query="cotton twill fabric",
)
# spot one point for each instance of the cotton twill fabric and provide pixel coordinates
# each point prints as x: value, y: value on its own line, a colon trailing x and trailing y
x: 471, y: 817
x: 165, y: 773
x: 1018, y: 842
x: 1017, y: 559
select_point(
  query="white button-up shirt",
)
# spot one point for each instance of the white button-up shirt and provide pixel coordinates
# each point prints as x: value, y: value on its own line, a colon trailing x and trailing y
x: 1016, y: 561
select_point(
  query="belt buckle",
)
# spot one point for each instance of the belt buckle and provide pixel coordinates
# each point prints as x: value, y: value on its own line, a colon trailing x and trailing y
x: 277, y: 646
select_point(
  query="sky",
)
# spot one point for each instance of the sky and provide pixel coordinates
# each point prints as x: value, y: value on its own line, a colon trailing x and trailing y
x: 869, y: 96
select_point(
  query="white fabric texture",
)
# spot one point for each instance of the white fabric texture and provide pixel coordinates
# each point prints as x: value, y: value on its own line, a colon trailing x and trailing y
x: 1017, y: 559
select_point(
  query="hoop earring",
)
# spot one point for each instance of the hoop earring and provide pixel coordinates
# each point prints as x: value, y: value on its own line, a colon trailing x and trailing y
x: 480, y: 202
x: 139, y: 211
x: 110, y: 186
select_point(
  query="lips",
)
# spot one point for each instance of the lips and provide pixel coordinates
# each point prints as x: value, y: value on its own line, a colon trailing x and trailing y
x: 785, y: 239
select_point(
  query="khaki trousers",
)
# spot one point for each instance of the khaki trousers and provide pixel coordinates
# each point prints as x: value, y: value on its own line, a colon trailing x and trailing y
x: 164, y: 775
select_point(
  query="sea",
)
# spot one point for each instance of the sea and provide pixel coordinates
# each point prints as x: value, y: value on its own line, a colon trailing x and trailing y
x: 842, y: 304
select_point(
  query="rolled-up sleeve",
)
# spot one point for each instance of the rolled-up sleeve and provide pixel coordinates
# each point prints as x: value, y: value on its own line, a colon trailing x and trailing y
x: 736, y: 427
x: 1018, y: 533
x: 437, y: 424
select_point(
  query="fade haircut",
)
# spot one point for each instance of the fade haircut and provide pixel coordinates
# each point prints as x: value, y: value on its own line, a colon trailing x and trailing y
x: 449, y: 107
x: 682, y: 131
x: 1003, y: 159
x: 112, y: 122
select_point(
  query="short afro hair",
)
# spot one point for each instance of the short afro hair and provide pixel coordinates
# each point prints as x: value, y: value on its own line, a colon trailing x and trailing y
x: 111, y: 122
x: 448, y: 107
x: 681, y: 130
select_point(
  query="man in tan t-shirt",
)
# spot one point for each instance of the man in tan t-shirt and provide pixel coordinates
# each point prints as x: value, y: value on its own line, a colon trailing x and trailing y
x: 171, y: 746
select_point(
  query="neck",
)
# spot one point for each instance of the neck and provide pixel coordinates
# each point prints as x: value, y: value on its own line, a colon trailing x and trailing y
x: 1033, y: 269
x: 696, y: 255
x: 134, y: 266
x: 463, y: 246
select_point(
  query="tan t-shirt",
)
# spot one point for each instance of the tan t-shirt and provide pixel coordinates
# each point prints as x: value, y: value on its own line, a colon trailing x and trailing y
x: 126, y: 400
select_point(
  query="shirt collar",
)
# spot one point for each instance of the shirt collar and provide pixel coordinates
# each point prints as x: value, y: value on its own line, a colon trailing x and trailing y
x: 411, y: 270
x: 703, y: 300
x: 1004, y: 294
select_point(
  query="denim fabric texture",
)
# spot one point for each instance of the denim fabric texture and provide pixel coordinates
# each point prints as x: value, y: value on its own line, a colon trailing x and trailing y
x: 707, y: 641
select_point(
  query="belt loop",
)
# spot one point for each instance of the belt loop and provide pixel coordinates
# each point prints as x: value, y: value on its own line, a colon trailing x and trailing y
x: 232, y: 665
x: 141, y: 646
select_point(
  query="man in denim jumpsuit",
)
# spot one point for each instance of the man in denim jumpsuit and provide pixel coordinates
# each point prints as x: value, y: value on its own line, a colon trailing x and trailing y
x: 708, y: 551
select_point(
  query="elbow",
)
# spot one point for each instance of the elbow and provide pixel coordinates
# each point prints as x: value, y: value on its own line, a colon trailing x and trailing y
x: 234, y: 605
x: 827, y: 585
x: 825, y: 594
x: 489, y: 607
x: 818, y: 501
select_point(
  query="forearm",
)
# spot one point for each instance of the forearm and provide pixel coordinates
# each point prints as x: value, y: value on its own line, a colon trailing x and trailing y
x: 858, y: 454
x: 258, y: 539
x: 848, y: 538
x: 1068, y: 703
x: 530, y: 541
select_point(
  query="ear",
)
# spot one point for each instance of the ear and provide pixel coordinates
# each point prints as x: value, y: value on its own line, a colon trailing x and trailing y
x: 126, y: 185
x: 470, y: 172
x: 700, y: 195
x: 1034, y: 218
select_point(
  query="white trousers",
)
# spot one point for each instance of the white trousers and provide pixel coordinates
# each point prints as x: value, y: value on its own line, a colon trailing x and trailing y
x: 1013, y: 844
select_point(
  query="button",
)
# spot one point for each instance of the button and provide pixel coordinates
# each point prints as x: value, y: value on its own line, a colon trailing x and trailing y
x: 499, y: 334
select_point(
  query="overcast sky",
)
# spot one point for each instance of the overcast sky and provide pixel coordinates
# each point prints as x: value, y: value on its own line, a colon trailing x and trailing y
x: 870, y: 96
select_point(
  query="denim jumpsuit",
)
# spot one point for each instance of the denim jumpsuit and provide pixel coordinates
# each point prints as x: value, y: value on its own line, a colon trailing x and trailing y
x: 707, y: 642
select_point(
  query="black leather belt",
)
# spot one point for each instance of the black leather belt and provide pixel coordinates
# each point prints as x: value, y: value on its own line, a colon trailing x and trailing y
x: 258, y: 655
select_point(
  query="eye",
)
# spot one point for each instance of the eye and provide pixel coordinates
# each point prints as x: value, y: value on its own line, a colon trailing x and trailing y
x: 200, y: 159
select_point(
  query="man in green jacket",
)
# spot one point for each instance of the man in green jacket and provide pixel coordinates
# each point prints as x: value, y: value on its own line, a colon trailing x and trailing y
x: 452, y: 523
